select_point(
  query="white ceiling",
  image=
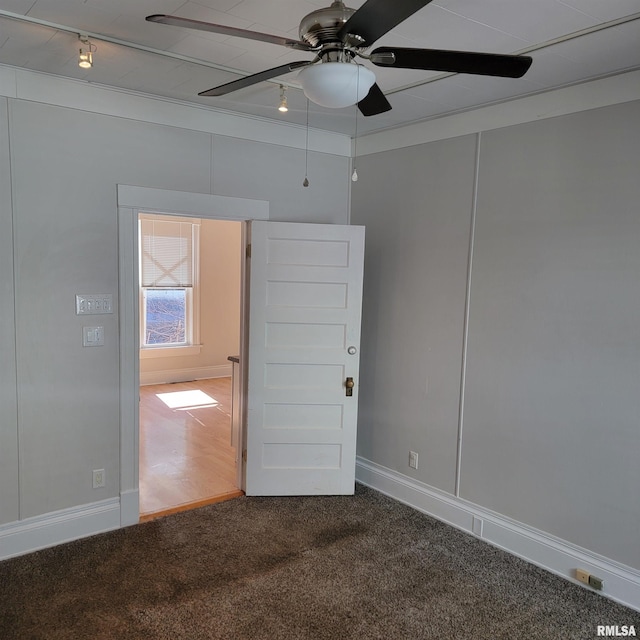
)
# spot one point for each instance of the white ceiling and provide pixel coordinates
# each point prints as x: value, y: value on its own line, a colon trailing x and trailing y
x: 571, y: 41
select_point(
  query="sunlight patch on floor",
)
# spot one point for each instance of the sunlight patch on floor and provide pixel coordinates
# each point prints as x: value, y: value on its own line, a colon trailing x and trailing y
x: 185, y: 400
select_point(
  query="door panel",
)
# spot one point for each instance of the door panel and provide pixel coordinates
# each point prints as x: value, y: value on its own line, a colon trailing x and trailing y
x: 305, y: 310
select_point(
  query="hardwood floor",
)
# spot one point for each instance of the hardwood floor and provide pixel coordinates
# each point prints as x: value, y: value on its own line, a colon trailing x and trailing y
x: 186, y: 457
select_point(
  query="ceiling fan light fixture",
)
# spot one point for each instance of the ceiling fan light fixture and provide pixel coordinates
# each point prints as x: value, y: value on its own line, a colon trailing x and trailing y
x: 336, y: 84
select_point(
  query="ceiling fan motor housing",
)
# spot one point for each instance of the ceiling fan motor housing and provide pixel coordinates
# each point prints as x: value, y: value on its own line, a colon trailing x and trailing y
x: 321, y: 27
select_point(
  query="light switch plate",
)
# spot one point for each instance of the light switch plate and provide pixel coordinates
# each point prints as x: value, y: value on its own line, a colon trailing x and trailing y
x: 94, y: 303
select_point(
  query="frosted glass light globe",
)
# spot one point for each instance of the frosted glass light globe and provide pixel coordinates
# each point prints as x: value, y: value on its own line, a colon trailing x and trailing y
x: 336, y: 84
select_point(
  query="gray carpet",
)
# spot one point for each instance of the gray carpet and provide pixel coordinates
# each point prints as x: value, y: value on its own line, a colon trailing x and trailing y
x: 314, y: 568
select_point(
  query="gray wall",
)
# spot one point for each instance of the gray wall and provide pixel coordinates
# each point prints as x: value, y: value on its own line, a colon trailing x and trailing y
x: 416, y: 206
x: 550, y: 434
x: 65, y: 165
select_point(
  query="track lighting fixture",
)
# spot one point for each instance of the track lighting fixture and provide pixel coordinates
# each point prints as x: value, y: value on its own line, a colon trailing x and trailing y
x: 284, y: 107
x: 87, y: 49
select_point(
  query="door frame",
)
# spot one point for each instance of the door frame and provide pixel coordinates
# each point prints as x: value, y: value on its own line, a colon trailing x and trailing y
x: 131, y: 200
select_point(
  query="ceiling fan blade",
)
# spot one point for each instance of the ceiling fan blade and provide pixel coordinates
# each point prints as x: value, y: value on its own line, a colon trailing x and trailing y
x: 375, y: 18
x: 229, y: 31
x: 223, y: 89
x: 375, y: 102
x: 484, y: 64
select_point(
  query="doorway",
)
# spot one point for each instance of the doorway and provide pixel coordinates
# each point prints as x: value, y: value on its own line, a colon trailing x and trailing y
x: 132, y: 200
x: 190, y: 296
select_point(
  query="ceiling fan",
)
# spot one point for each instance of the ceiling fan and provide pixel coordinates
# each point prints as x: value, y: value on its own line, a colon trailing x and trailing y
x: 337, y: 35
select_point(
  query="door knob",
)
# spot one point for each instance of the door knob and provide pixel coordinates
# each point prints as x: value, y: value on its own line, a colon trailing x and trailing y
x: 349, y: 384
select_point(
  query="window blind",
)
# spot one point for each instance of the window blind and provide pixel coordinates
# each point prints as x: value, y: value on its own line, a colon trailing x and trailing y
x: 166, y: 253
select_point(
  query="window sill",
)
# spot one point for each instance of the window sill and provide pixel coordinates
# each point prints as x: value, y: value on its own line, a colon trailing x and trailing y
x: 168, y: 352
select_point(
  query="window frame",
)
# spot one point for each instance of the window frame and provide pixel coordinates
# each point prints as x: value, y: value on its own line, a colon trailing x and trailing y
x: 192, y: 298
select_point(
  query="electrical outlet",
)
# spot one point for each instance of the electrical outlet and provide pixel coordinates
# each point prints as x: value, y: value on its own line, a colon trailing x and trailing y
x: 92, y: 336
x: 596, y: 583
x: 98, y: 478
x: 413, y: 459
x: 586, y: 578
x: 582, y: 576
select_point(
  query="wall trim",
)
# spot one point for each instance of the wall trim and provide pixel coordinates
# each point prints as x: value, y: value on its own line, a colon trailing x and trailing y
x: 130, y: 200
x: 129, y: 507
x: 594, y: 94
x: 46, y: 88
x: 58, y: 527
x: 35, y: 86
x: 188, y: 204
x: 622, y: 583
x: 185, y: 375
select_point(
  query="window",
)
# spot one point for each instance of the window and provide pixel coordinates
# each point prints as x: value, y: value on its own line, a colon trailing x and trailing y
x: 169, y: 295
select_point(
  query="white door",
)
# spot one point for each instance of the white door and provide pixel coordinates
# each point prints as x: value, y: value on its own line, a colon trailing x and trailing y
x: 304, y: 342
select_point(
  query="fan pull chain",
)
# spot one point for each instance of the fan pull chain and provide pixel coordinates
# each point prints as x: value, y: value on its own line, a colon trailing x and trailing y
x: 354, y: 175
x: 305, y: 182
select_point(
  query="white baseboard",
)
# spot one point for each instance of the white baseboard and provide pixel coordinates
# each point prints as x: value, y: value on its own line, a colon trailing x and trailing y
x: 621, y: 583
x: 185, y: 375
x: 39, y: 532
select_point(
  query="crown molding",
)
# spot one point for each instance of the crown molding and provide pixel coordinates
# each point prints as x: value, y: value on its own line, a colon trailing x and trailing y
x: 615, y: 89
x: 44, y: 88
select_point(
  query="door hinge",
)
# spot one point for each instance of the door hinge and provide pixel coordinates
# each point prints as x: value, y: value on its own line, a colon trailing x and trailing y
x: 248, y: 251
x: 244, y: 455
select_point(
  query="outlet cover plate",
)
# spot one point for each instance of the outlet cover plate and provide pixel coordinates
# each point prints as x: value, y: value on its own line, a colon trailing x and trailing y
x: 98, y: 478
x: 92, y: 336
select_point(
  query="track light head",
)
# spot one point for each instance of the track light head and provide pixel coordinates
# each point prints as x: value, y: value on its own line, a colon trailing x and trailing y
x: 284, y: 107
x: 85, y: 56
